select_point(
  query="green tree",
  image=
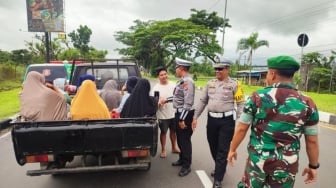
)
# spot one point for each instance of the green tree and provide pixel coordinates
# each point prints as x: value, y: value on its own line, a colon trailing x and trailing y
x: 159, y: 42
x: 251, y: 44
x: 211, y: 20
x: 69, y: 54
x: 309, y: 61
x: 81, y: 39
x: 4, y: 56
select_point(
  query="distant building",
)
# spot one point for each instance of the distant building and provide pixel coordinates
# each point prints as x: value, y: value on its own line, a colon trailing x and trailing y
x: 258, y: 75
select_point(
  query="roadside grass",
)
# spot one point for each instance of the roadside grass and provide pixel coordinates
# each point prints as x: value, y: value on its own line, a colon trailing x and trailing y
x: 9, y: 101
x: 324, y: 102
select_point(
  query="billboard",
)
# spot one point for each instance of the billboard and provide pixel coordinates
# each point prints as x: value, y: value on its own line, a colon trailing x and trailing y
x: 45, y: 15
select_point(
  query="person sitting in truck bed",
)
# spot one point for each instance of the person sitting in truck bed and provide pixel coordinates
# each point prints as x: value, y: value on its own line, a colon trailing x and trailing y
x: 111, y: 95
x: 130, y: 84
x: 140, y: 104
x: 40, y: 103
x: 87, y: 105
x: 83, y: 78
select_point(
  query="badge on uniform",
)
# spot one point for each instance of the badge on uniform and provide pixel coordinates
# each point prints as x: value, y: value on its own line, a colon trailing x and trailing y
x: 185, y: 86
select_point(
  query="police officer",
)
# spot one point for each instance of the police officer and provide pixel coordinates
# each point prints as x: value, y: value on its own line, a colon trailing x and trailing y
x: 225, y: 100
x: 183, y: 101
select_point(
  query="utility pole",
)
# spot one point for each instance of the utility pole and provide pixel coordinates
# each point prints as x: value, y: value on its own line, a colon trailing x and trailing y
x: 224, y: 26
x: 331, y: 76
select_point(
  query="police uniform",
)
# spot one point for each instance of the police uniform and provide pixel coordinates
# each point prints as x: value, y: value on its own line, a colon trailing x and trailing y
x: 224, y: 100
x: 183, y: 101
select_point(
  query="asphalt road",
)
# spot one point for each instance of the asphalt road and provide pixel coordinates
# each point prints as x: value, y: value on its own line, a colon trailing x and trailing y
x: 162, y: 174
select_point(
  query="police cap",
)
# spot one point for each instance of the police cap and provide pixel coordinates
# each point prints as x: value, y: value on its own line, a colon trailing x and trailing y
x: 182, y: 62
x: 222, y: 62
x: 283, y: 62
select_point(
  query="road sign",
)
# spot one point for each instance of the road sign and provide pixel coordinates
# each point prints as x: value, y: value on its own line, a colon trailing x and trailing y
x: 303, y: 40
x: 61, y: 35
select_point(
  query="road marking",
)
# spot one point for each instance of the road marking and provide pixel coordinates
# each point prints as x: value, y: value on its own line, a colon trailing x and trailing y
x: 328, y: 127
x: 6, y: 134
x: 204, y: 178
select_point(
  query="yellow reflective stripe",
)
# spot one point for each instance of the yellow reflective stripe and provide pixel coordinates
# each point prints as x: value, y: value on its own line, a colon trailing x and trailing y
x: 239, y: 95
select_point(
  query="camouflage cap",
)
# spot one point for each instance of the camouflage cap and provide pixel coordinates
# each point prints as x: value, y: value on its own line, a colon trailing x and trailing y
x: 283, y: 62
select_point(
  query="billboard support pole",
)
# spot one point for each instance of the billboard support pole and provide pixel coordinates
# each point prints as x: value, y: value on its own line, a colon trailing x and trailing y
x: 47, y: 45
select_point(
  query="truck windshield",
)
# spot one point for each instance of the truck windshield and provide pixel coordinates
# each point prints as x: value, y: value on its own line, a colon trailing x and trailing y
x: 50, y: 72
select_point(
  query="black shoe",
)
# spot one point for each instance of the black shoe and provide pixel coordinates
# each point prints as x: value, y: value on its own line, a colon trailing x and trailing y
x: 212, y: 173
x: 177, y: 163
x: 184, y: 171
x: 217, y: 184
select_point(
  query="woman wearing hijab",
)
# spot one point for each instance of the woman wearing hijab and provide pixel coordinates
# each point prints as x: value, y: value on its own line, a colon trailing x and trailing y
x: 87, y: 105
x: 130, y: 84
x: 140, y: 104
x: 111, y: 95
x: 83, y: 78
x: 40, y: 103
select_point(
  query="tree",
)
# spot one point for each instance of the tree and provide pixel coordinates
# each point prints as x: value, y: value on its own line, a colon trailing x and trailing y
x: 309, y: 61
x: 211, y: 20
x: 251, y: 44
x: 159, y: 42
x: 20, y: 57
x: 81, y: 39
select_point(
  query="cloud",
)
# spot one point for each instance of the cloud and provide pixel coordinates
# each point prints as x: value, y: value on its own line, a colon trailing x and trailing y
x: 279, y: 22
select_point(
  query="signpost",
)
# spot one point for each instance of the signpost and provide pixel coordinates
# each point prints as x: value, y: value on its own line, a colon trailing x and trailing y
x: 302, y: 42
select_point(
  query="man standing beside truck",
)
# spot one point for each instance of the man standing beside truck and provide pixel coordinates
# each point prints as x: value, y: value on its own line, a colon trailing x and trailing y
x: 183, y: 101
x: 165, y: 112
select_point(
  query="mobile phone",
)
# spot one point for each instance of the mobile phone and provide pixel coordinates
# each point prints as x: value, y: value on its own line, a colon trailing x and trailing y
x: 157, y: 94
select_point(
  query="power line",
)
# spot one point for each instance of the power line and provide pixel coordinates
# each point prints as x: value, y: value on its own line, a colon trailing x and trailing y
x: 312, y: 11
x: 213, y: 5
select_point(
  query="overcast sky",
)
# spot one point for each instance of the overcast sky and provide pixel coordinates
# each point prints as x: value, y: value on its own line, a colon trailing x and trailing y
x: 278, y: 21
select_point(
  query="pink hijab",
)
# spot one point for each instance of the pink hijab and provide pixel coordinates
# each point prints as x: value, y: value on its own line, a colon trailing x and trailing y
x: 40, y: 103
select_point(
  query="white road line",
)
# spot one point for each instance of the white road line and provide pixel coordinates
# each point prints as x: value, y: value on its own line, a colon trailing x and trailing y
x: 207, y: 183
x: 6, y: 134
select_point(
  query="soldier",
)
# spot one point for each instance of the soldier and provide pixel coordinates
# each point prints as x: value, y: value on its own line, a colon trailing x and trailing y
x: 183, y: 101
x: 278, y: 115
x: 221, y: 95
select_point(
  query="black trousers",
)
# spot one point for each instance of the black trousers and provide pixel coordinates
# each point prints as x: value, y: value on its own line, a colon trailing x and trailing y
x: 219, y: 133
x: 184, y: 139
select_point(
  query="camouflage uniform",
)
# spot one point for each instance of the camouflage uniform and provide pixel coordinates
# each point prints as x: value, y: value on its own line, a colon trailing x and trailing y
x: 279, y: 115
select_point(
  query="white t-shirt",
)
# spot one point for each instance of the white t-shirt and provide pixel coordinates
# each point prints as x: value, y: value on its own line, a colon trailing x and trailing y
x: 166, y: 111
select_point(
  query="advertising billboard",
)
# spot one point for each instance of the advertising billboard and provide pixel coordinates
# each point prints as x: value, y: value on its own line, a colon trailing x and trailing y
x: 45, y: 15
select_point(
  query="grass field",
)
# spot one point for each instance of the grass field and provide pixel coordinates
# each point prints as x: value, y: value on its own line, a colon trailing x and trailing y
x: 9, y: 101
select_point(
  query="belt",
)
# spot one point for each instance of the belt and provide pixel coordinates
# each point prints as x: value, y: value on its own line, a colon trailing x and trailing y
x: 220, y: 114
x: 179, y: 110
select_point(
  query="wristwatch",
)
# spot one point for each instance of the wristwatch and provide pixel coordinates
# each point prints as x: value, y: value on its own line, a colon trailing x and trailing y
x: 313, y: 166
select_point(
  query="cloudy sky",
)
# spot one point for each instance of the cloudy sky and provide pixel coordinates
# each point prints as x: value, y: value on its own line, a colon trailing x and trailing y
x: 278, y: 21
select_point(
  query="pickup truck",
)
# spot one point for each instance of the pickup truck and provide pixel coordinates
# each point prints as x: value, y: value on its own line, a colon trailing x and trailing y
x: 87, y: 145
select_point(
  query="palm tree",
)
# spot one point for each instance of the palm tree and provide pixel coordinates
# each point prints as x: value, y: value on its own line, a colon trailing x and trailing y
x: 251, y: 44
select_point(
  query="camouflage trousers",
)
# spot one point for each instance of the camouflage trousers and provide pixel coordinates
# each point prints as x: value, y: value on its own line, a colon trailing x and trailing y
x: 268, y: 173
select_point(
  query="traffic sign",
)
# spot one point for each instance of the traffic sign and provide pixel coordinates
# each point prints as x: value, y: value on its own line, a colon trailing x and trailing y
x: 303, y: 40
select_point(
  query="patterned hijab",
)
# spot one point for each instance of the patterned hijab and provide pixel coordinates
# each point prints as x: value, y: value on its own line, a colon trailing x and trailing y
x: 40, y: 103
x: 87, y: 104
x: 111, y: 95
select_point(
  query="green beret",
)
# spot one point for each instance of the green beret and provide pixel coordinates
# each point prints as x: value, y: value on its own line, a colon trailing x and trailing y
x: 283, y: 62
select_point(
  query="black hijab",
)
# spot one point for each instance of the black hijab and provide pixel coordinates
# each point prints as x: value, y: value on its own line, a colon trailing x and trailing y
x: 139, y: 103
